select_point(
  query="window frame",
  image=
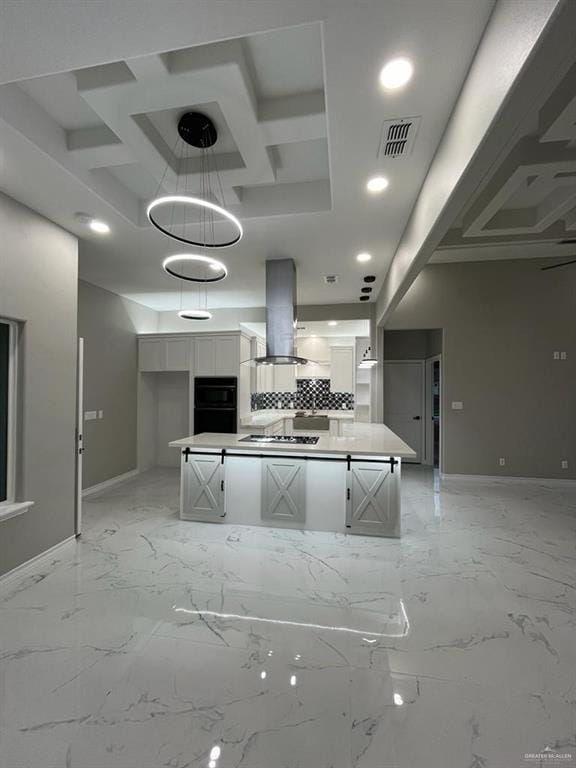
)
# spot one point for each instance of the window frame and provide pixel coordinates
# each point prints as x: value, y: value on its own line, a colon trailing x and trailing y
x: 12, y: 421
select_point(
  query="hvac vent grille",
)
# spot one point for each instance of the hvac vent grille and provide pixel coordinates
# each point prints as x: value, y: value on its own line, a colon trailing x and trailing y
x: 397, y: 137
x: 330, y: 279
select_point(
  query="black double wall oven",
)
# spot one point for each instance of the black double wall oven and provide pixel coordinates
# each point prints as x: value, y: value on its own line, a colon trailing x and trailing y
x: 215, y: 404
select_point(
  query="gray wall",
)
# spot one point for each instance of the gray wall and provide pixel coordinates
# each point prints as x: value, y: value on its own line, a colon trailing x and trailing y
x: 502, y: 322
x: 108, y: 324
x: 412, y: 345
x: 38, y: 286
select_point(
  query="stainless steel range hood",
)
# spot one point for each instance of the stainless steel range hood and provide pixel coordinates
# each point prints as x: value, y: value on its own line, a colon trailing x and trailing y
x: 280, y: 315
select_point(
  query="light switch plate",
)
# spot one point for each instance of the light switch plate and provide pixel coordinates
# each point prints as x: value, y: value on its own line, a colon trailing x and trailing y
x: 457, y: 405
x: 563, y: 356
x: 100, y: 414
x: 90, y: 415
x: 556, y: 355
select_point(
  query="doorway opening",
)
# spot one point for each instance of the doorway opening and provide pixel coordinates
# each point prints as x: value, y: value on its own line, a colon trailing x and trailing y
x: 412, y: 385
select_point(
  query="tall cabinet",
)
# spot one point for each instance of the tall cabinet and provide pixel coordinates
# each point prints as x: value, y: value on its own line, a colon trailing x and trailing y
x: 168, y: 364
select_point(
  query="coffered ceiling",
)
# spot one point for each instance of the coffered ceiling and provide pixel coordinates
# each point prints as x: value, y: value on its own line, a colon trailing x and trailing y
x: 527, y: 204
x: 88, y: 123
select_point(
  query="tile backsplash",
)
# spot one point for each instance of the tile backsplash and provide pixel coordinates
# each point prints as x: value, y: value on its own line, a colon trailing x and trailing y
x: 310, y: 393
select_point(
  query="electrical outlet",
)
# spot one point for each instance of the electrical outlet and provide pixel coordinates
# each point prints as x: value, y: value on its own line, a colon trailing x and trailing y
x: 563, y: 356
x: 564, y: 464
x: 556, y: 355
x: 502, y: 462
x: 100, y: 414
x: 90, y: 415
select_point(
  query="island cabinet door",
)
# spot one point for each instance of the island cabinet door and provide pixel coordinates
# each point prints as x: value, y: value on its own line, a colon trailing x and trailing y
x: 283, y: 490
x: 373, y: 500
x: 203, y: 489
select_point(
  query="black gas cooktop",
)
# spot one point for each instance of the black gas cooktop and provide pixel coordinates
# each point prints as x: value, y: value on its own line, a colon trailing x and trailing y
x: 291, y: 439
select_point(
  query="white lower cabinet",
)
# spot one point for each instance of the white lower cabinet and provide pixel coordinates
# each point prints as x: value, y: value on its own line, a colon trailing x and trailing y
x: 284, y: 490
x: 202, y: 489
x: 373, y: 499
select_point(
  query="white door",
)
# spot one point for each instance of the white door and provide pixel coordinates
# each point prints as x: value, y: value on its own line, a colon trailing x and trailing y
x: 404, y: 403
x: 283, y: 490
x: 79, y: 435
x: 203, y: 488
x: 372, y: 505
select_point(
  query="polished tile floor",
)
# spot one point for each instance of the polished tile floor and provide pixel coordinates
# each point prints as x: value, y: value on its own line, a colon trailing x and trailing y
x: 155, y: 643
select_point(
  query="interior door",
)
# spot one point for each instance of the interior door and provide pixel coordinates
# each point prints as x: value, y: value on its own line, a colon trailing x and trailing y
x: 404, y: 403
x: 372, y: 500
x: 79, y: 435
x: 203, y: 488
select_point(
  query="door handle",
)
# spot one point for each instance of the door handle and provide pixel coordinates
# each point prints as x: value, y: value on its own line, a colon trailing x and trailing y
x: 416, y: 418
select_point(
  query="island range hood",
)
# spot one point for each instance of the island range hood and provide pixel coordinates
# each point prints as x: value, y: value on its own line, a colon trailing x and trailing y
x: 280, y: 315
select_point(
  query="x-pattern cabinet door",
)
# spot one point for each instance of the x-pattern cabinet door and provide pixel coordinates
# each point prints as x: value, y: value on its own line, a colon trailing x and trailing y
x: 203, y: 488
x: 283, y: 490
x: 373, y: 502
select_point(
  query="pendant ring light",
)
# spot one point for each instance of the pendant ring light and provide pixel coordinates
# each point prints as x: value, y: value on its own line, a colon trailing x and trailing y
x: 194, y: 258
x: 197, y: 130
x: 195, y: 314
x: 197, y: 202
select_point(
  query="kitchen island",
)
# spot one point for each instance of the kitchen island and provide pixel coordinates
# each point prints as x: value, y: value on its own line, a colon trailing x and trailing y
x: 348, y: 483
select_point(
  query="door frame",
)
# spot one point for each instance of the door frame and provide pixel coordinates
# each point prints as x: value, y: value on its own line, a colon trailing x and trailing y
x: 429, y: 432
x: 421, y: 363
x: 79, y: 436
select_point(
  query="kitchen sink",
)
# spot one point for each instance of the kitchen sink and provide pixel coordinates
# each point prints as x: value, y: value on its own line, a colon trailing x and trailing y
x: 319, y: 423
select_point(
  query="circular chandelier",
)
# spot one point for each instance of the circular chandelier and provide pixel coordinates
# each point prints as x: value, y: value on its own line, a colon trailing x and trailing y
x: 213, y: 271
x: 194, y: 211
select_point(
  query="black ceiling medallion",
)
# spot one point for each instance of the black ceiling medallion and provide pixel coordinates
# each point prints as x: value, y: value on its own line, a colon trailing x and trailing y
x: 197, y: 130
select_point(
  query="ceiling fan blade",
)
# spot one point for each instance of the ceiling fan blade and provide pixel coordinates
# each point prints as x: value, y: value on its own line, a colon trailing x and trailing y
x: 556, y: 266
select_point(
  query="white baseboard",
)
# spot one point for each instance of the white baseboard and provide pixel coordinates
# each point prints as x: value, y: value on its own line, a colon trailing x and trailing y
x: 33, y: 563
x: 509, y: 479
x: 111, y: 483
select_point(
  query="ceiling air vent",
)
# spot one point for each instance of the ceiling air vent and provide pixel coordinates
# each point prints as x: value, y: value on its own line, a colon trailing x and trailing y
x: 330, y: 279
x: 397, y: 137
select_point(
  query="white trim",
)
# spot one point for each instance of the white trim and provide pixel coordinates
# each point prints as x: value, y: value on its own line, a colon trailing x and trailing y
x: 10, y: 509
x: 111, y: 483
x: 504, y: 479
x: 79, y: 435
x: 22, y: 569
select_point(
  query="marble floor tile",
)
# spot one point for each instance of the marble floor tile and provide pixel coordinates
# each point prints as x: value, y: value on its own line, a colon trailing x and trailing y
x: 157, y: 643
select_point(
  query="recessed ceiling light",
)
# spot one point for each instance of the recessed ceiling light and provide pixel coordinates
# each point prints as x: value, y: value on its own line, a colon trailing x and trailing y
x: 377, y: 184
x: 99, y: 226
x: 332, y: 322
x: 396, y: 73
x: 363, y: 257
x: 364, y: 298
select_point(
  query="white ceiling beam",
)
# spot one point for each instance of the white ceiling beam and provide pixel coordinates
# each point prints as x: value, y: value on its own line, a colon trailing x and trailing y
x: 288, y: 119
x: 525, y: 48
x: 98, y: 147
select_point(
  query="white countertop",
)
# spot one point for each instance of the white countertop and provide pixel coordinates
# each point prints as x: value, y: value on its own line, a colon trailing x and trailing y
x: 267, y: 418
x: 356, y: 439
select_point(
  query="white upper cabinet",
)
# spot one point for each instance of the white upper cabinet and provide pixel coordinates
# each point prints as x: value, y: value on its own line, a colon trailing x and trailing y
x: 204, y: 356
x: 342, y: 369
x: 177, y: 354
x: 216, y: 355
x: 164, y: 354
x: 150, y: 355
